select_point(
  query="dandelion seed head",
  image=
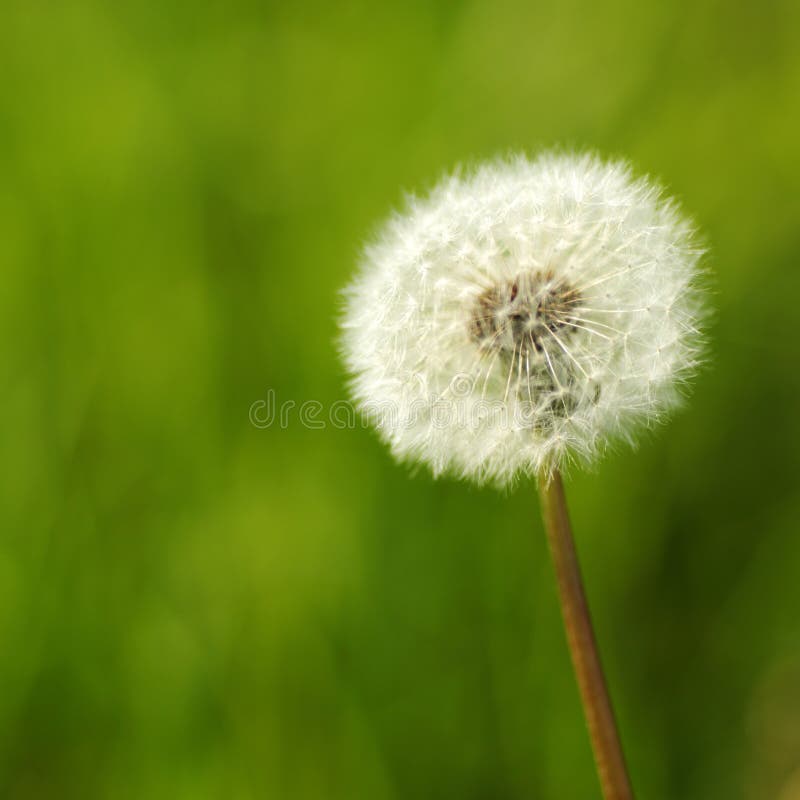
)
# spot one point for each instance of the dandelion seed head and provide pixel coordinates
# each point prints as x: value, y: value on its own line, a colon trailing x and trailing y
x: 524, y: 315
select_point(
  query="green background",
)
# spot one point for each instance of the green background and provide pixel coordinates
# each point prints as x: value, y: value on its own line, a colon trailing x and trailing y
x: 193, y: 607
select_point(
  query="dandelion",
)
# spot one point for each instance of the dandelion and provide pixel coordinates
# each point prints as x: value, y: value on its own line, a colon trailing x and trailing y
x: 552, y: 304
x: 524, y: 316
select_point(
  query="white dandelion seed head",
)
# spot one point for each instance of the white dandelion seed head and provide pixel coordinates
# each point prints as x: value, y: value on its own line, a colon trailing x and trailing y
x: 524, y: 315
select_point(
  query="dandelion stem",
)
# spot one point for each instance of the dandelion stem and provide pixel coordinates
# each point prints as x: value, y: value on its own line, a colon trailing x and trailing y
x: 602, y: 726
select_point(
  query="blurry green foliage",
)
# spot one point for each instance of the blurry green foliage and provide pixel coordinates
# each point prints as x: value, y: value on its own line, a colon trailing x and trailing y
x: 193, y: 607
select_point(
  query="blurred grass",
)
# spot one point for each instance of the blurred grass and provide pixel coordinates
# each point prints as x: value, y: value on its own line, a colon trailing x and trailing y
x: 191, y: 607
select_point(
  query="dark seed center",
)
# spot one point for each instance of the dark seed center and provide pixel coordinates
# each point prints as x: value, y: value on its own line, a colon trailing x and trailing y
x: 517, y: 316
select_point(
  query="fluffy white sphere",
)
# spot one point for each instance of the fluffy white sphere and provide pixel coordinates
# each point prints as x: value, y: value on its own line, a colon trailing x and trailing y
x: 524, y: 314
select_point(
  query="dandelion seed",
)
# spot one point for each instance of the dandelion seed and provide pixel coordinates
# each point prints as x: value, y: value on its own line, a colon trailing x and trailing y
x: 563, y: 282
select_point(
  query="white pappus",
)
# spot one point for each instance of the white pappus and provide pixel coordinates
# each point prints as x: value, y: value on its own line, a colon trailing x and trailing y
x: 524, y: 314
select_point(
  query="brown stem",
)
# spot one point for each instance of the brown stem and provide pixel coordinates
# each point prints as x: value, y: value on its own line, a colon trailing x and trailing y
x: 603, y: 732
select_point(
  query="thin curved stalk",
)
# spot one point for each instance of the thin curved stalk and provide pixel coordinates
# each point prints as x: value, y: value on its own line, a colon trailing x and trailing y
x: 597, y: 707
